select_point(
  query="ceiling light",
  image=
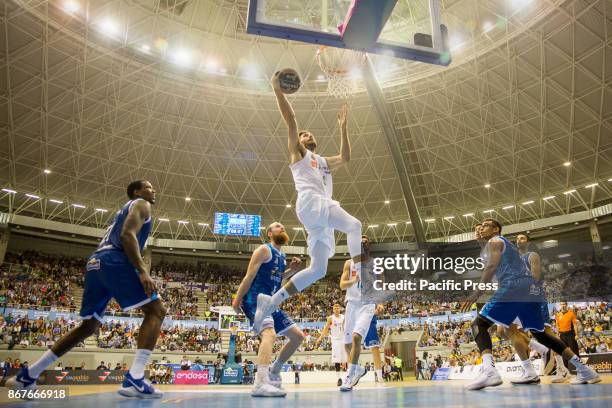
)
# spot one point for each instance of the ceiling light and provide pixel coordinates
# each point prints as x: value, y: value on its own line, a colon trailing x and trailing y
x: 488, y: 211
x: 47, y: 171
x: 561, y: 256
x: 187, y: 198
x: 78, y: 205
x: 298, y: 228
x: 373, y: 226
x: 109, y: 27
x: 56, y: 201
x: 508, y: 207
x: 567, y: 164
x: 321, y: 77
x: 430, y: 220
x: 450, y: 217
x: 183, y: 57
x: 569, y: 192
x: 183, y: 222
x: 163, y: 219
x: 102, y: 210
x: 8, y: 190
x: 203, y: 224
x: 408, y: 222
x: 71, y: 6
x: 288, y: 205
x: 392, y: 224
x: 591, y: 185
x: 487, y: 186
x: 145, y: 48
x: 387, y: 201
x: 487, y: 26
x: 548, y: 198
x: 528, y: 202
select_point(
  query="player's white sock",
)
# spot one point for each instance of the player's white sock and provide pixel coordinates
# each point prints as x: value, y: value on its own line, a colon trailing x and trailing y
x: 487, y: 361
x: 351, y: 369
x: 42, y: 363
x: 279, y: 297
x: 379, y: 374
x: 540, y: 348
x: 262, y: 374
x: 277, y: 366
x: 577, y: 363
x: 528, y: 367
x: 140, y: 361
x: 560, y: 364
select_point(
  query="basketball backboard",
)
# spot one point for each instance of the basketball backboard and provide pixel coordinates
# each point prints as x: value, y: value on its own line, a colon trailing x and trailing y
x: 413, y: 31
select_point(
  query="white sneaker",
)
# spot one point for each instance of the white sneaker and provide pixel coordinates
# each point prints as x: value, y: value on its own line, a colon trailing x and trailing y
x: 561, y: 377
x: 346, y: 384
x: 527, y: 378
x: 487, y: 378
x: 357, y: 375
x: 267, y: 390
x: 275, y: 379
x: 22, y: 381
x: 264, y: 309
x: 586, y: 376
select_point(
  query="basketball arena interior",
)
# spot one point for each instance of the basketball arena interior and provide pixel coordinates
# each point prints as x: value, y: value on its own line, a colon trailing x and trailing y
x: 453, y: 129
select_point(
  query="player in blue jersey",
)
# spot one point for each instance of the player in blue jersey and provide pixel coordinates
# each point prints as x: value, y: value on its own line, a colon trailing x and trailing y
x: 265, y: 275
x: 533, y: 262
x: 115, y: 270
x: 517, y: 296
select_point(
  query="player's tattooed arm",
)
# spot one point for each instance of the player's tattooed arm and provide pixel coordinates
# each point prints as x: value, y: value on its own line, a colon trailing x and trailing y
x: 260, y: 255
x: 535, y: 266
x: 296, y: 150
x: 139, y: 212
x: 333, y: 162
x: 345, y: 282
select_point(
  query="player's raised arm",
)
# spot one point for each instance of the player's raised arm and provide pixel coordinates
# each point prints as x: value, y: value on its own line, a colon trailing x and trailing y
x: 296, y: 150
x: 345, y: 282
x: 334, y: 162
x: 260, y: 255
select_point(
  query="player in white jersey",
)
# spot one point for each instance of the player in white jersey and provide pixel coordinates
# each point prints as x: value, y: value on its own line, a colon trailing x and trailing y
x: 357, y: 317
x: 334, y: 327
x: 315, y: 208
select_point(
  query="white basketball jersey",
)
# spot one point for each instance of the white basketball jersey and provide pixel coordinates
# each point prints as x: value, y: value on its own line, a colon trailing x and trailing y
x: 336, y: 331
x: 312, y: 174
x: 353, y: 294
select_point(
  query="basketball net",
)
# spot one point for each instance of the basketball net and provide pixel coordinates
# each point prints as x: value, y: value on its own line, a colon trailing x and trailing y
x: 341, y: 67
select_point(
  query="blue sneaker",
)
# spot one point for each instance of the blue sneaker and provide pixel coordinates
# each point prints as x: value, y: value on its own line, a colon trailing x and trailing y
x: 22, y: 381
x: 140, y: 388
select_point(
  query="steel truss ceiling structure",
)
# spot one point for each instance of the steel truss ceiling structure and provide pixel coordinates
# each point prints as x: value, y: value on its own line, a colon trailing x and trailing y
x: 177, y: 92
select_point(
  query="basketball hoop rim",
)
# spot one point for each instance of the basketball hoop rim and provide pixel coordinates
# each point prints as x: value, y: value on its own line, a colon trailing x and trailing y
x: 337, y: 71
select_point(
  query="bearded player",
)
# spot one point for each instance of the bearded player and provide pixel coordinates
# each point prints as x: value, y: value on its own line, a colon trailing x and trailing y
x: 264, y: 275
x: 315, y: 208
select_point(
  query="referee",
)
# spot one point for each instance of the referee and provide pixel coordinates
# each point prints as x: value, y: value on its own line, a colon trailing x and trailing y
x: 568, y: 326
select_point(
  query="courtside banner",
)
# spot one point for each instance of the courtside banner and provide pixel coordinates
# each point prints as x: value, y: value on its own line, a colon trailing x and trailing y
x: 600, y: 362
x: 82, y: 377
x: 189, y: 377
x: 441, y: 374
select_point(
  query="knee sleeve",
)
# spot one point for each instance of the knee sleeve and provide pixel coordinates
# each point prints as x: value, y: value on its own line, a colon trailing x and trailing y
x: 480, y: 330
x: 552, y: 342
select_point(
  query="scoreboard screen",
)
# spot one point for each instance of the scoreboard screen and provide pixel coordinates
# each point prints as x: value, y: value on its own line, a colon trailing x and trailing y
x: 237, y: 224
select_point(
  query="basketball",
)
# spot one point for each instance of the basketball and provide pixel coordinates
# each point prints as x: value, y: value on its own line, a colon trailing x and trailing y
x: 290, y: 80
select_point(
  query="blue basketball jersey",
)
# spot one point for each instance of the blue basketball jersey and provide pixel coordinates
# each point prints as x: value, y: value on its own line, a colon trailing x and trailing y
x: 112, y: 237
x: 539, y: 283
x: 268, y: 278
x: 511, y: 266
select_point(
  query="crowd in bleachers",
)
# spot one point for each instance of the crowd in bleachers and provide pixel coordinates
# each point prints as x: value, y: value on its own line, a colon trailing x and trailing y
x: 23, y: 332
